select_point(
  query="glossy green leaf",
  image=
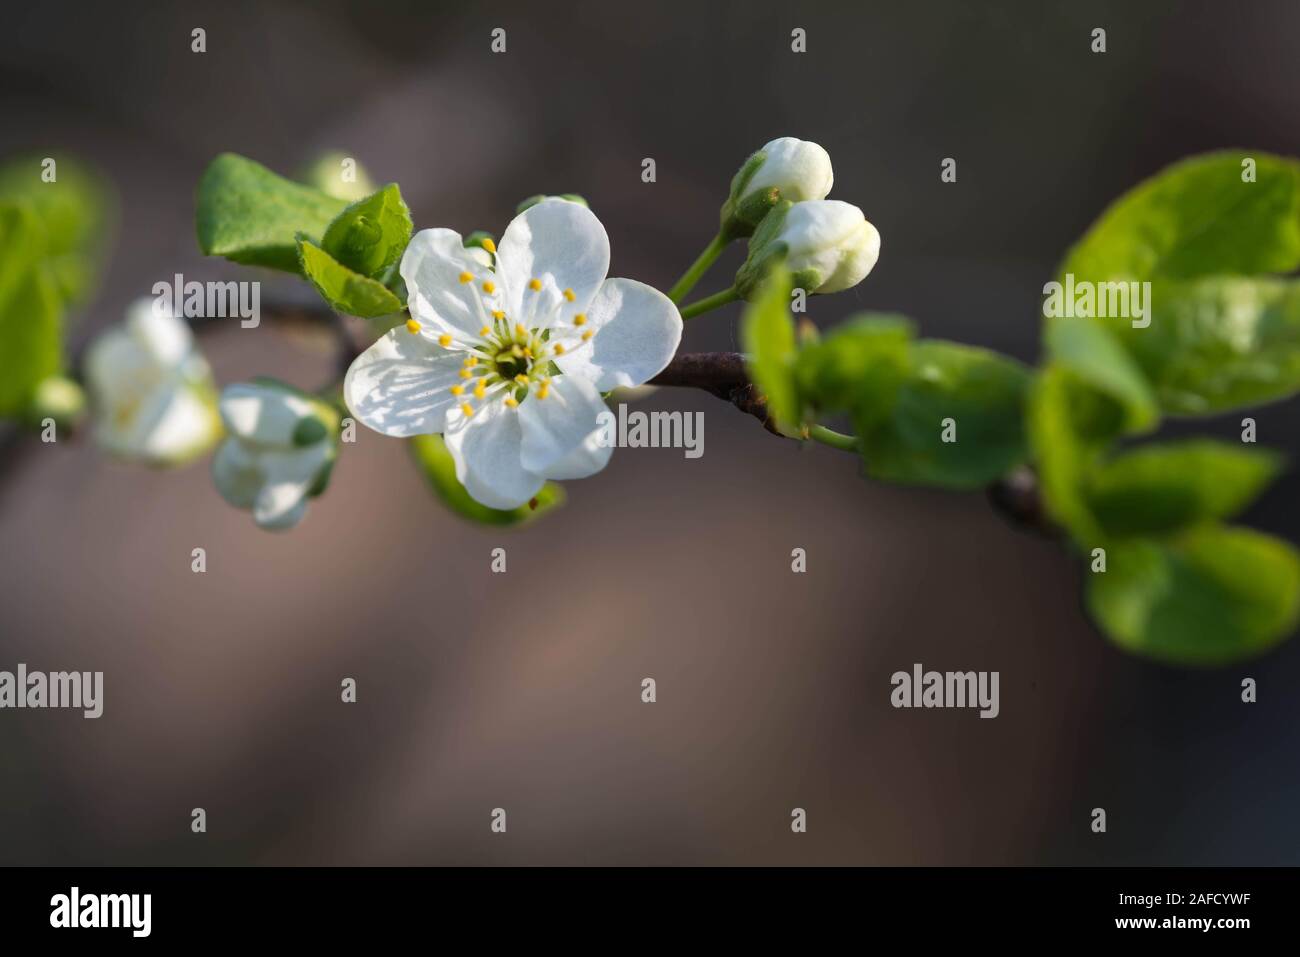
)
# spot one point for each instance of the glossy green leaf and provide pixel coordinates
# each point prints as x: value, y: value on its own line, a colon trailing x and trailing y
x: 768, y: 338
x: 31, y: 311
x: 859, y: 364
x: 972, y: 394
x: 250, y: 215
x: 346, y: 291
x: 1163, y: 488
x: 1090, y: 351
x: 439, y: 468
x: 1214, y: 595
x: 1197, y: 218
x: 371, y: 234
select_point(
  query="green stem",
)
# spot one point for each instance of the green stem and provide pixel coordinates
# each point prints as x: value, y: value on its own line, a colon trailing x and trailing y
x: 700, y: 306
x: 836, y: 440
x: 698, y: 268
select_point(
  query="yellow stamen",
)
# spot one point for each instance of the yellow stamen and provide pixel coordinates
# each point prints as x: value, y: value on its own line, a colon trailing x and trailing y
x: 458, y: 390
x: 520, y: 330
x: 528, y: 353
x: 586, y: 336
x: 579, y: 320
x: 498, y: 314
x: 512, y: 402
x: 444, y: 340
x: 489, y: 245
x: 465, y: 373
x: 542, y: 392
x: 489, y: 288
x: 471, y: 362
x: 466, y: 277
x: 412, y: 326
x: 535, y: 285
x: 485, y: 331
x: 480, y: 390
x: 521, y: 379
x: 466, y: 409
x: 568, y: 294
x: 559, y: 349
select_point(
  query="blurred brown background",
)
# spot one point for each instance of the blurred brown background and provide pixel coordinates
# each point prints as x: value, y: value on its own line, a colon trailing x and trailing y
x: 522, y: 690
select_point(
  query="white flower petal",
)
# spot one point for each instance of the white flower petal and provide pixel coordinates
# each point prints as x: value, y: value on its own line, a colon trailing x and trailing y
x: 559, y: 424
x: 236, y: 474
x: 164, y: 337
x: 637, y: 331
x: 587, y: 459
x: 287, y: 477
x: 186, y: 424
x: 400, y: 386
x: 486, y: 450
x: 432, y: 266
x: 282, y: 520
x: 557, y: 239
x: 262, y: 414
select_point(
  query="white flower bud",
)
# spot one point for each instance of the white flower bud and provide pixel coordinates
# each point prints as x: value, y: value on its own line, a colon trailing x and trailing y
x: 280, y: 448
x: 829, y: 241
x: 151, y: 390
x: 799, y: 169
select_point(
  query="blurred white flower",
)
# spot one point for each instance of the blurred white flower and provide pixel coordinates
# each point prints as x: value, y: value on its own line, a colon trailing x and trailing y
x: 510, y: 362
x: 278, y: 452
x: 151, y: 390
x: 829, y: 244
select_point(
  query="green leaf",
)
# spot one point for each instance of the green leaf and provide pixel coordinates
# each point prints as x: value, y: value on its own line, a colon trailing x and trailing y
x: 31, y: 311
x: 371, y: 234
x: 1215, y: 595
x: 1197, y: 218
x: 1064, y: 450
x: 250, y: 215
x: 439, y: 468
x: 1220, y: 344
x: 346, y: 291
x: 1163, y: 488
x: 1092, y: 353
x: 74, y: 213
x: 859, y: 364
x: 983, y: 394
x: 767, y: 336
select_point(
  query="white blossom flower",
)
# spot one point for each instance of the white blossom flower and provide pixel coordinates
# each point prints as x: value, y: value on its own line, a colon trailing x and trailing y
x: 801, y: 170
x: 830, y: 241
x: 510, y: 362
x: 151, y: 389
x: 278, y: 452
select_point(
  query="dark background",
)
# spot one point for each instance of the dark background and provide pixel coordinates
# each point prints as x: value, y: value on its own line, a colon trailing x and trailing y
x: 523, y: 690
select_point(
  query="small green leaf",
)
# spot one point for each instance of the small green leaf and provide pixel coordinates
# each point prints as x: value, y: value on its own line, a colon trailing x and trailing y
x: 74, y: 212
x: 971, y: 395
x: 1163, y: 488
x: 438, y: 466
x: 1092, y: 353
x: 858, y: 365
x: 1215, y: 595
x: 767, y: 336
x: 250, y: 215
x: 31, y: 311
x: 346, y: 291
x: 1063, y: 451
x: 371, y: 234
x: 1195, y: 218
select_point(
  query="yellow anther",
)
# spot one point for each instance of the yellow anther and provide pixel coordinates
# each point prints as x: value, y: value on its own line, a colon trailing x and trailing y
x: 579, y: 320
x: 466, y: 409
x: 465, y: 373
x: 586, y: 336
x: 528, y: 353
x: 412, y: 326
x: 520, y: 330
x: 458, y: 390
x: 480, y: 390
x: 485, y: 331
x: 444, y: 340
x: 521, y: 379
x: 568, y: 294
x: 498, y: 314
x: 471, y: 362
x: 542, y: 392
x: 535, y: 285
x: 559, y: 349
x: 489, y: 288
x: 466, y: 277
x: 517, y: 351
x: 489, y: 245
x: 512, y: 402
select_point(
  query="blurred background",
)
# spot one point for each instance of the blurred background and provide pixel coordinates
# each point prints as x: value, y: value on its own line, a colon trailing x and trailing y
x: 522, y: 690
